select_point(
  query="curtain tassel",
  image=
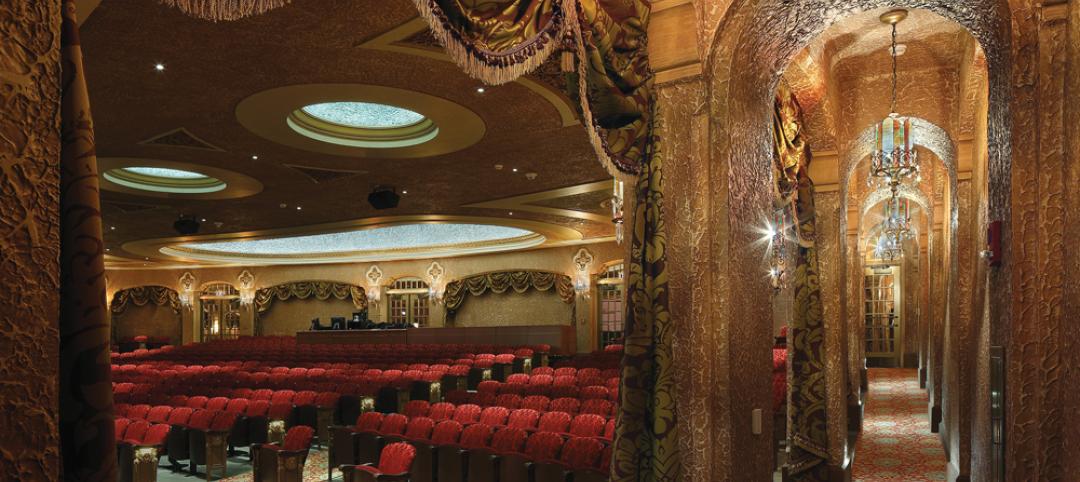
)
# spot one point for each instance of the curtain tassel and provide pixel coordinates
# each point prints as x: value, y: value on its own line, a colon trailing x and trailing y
x: 566, y: 60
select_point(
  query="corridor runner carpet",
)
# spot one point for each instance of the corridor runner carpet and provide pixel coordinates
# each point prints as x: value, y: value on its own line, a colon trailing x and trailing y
x: 896, y: 443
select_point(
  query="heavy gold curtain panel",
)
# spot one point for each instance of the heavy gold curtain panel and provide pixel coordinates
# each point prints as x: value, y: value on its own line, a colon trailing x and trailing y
x: 795, y: 194
x: 302, y: 290
x: 458, y: 291
x: 144, y: 295
x: 87, y: 445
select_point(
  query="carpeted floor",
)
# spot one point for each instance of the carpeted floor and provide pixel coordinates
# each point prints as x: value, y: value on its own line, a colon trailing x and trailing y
x: 896, y: 443
x: 239, y: 470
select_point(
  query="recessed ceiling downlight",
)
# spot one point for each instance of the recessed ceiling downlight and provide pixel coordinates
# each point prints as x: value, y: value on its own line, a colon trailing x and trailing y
x: 164, y: 180
x: 362, y: 124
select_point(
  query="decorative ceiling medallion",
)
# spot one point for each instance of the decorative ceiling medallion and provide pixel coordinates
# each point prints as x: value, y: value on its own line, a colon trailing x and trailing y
x: 180, y: 137
x: 359, y: 120
x: 160, y: 178
x: 164, y: 180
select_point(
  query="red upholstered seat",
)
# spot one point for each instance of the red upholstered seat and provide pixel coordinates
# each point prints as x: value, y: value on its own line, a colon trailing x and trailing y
x: 416, y: 408
x: 581, y: 452
x: 257, y: 408
x: 508, y: 400
x: 198, y: 401
x: 568, y: 405
x: 201, y: 419
x: 587, y: 425
x: 554, y: 422
x: 271, y: 459
x: 441, y: 411
x: 180, y: 416
x: 237, y: 405
x: 298, y: 438
x: 543, y: 446
x: 565, y: 371
x: 136, y: 431
x: 466, y: 414
x: 518, y: 378
x: 393, y: 424
x: 543, y: 371
x: 327, y: 399
x: 156, y: 435
x: 262, y: 394
x: 446, y: 432
x: 595, y: 406
x: 539, y: 403
x: 119, y: 426
x: 457, y: 397
x: 477, y: 435
x: 523, y: 418
x: 508, y: 439
x: 159, y: 414
x: 609, y: 429
x: 589, y: 393
x: 494, y: 416
x: 369, y: 422
x: 138, y: 411
x: 485, y: 399
x: 395, y: 459
x: 279, y: 411
x: 488, y: 386
x: 419, y: 428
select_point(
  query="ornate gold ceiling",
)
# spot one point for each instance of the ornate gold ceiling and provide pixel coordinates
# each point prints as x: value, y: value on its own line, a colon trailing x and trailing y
x: 187, y: 115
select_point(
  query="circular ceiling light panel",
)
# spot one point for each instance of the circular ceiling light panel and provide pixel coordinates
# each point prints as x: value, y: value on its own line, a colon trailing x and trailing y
x: 362, y: 124
x: 360, y: 121
x: 401, y: 241
x: 159, y: 178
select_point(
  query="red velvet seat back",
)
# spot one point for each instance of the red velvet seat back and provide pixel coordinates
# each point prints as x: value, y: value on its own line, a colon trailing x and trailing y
x: 180, y: 415
x: 298, y: 438
x: 488, y: 386
x: 523, y: 418
x: 609, y: 429
x: 446, y: 432
x: 327, y: 399
x: 475, y: 436
x: 508, y: 439
x: 518, y: 378
x: 394, y: 424
x: 157, y: 434
x: 543, y: 371
x: 554, y: 422
x: 419, y: 428
x: 508, y: 400
x: 137, y: 430
x: 279, y: 411
x: 539, y: 403
x: 441, y: 411
x: 396, y: 458
x: 543, y: 446
x: 595, y: 406
x: 223, y: 421
x: 581, y: 452
x: 305, y: 397
x: 257, y: 408
x: 541, y: 380
x: 217, y: 403
x: 568, y: 405
x: 587, y: 425
x: 262, y: 394
x: 494, y: 416
x: 369, y: 421
x: 416, y: 408
x: 159, y: 414
x: 119, y: 426
x: 197, y: 401
x: 237, y: 405
x: 468, y: 413
x: 592, y: 392
x: 138, y: 411
x: 282, y: 396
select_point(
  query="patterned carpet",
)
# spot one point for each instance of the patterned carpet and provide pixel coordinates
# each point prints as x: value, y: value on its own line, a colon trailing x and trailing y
x: 239, y: 470
x: 896, y: 443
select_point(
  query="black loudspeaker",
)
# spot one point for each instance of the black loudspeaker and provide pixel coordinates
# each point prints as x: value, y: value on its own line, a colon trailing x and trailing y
x: 383, y: 198
x: 186, y: 226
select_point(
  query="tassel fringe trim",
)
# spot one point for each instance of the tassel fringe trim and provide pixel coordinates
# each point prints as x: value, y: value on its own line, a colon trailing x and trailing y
x: 224, y: 10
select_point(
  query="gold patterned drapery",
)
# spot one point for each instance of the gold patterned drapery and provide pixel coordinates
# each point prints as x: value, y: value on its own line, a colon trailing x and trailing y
x: 301, y: 290
x: 807, y: 415
x: 500, y: 282
x: 144, y: 295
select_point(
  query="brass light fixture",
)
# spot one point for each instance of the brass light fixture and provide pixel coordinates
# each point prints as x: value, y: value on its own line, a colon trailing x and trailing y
x: 894, y: 158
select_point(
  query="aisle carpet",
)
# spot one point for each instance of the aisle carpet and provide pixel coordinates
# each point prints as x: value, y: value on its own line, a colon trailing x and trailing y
x: 896, y: 443
x: 239, y: 470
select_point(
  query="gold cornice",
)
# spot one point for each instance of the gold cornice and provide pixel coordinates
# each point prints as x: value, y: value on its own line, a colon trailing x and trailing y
x: 524, y: 202
x: 390, y: 41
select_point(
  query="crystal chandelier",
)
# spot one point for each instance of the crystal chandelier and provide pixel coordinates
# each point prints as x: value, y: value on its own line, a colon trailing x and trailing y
x: 617, y: 209
x: 894, y: 158
x: 888, y: 248
x: 897, y: 223
x: 778, y: 273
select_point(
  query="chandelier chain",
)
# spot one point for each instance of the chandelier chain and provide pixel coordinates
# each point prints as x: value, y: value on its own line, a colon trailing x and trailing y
x: 893, y: 52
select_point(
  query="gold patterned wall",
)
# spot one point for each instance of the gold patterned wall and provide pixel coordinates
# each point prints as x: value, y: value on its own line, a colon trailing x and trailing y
x: 29, y: 238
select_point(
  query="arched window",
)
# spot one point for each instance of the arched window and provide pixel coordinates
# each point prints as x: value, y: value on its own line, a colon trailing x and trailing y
x: 409, y: 302
x: 220, y: 312
x: 611, y: 306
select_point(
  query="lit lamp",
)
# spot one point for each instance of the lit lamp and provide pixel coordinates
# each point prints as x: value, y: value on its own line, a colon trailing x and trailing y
x: 374, y: 278
x: 582, y: 261
x: 775, y: 233
x: 436, y: 290
x: 246, y: 280
x: 894, y: 158
x: 617, y: 209
x: 186, y: 293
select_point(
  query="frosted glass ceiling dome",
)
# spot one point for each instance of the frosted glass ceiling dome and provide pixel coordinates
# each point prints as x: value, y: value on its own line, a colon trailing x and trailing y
x: 166, y: 172
x: 363, y: 115
x: 164, y: 180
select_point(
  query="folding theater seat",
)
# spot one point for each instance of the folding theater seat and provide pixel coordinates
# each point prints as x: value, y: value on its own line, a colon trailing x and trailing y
x: 494, y: 416
x: 564, y: 391
x: 568, y: 405
x: 503, y: 366
x: 508, y: 400
x: 587, y: 425
x: 255, y: 410
x: 441, y: 411
x: 177, y: 444
x: 453, y: 460
x: 159, y: 414
x: 486, y: 399
x: 285, y: 461
x: 217, y: 403
x: 601, y: 472
x: 466, y: 414
x: 523, y: 418
x: 596, y: 406
x: 426, y: 386
x: 539, y: 403
x: 518, y: 379
x: 455, y: 378
x: 488, y: 386
x: 198, y: 401
x: 138, y: 455
x: 395, y: 463
x: 557, y: 422
x: 516, y: 467
x: 326, y: 409
x: 481, y: 371
x: 304, y: 412
x: 542, y: 371
x: 416, y: 408
x: 578, y: 453
x: 368, y: 444
x: 589, y: 393
x: 484, y: 462
x: 119, y: 426
x: 177, y: 401
x: 418, y: 428
x: 138, y: 412
x: 344, y: 440
x: 565, y: 371
x: 523, y: 360
x: 209, y: 446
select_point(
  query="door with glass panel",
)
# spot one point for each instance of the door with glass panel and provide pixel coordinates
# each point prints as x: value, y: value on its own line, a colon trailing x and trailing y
x: 883, y: 316
x: 611, y: 307
x: 409, y: 302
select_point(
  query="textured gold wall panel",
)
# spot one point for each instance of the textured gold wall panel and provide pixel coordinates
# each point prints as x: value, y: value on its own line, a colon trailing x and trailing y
x: 29, y: 238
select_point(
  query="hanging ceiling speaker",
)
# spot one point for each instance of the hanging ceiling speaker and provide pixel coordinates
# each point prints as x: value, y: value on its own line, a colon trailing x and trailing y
x: 186, y: 225
x: 383, y: 197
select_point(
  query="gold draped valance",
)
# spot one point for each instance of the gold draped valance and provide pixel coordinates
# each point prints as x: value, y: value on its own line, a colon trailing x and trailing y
x: 320, y: 290
x: 500, y: 282
x: 143, y: 295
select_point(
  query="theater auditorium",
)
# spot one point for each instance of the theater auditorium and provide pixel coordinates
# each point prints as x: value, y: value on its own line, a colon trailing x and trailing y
x: 539, y: 240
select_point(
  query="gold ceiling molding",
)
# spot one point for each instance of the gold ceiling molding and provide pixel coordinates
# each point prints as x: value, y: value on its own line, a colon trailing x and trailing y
x: 236, y: 185
x: 544, y: 235
x: 525, y: 203
x: 394, y: 41
x: 270, y: 112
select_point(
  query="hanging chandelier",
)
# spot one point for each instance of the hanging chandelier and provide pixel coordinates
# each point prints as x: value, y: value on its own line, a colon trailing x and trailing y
x: 897, y: 223
x: 888, y: 248
x: 894, y: 158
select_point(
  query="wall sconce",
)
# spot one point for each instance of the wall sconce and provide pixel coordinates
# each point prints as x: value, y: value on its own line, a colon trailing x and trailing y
x: 617, y: 209
x: 436, y: 289
x: 374, y: 281
x: 582, y: 278
x: 186, y: 293
x: 246, y: 281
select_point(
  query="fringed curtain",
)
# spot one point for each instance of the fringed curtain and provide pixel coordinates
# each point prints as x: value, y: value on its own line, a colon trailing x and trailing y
x: 144, y: 295
x: 604, y: 46
x: 87, y: 445
x: 795, y: 192
x: 519, y: 281
x: 302, y: 290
